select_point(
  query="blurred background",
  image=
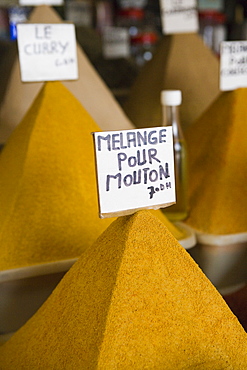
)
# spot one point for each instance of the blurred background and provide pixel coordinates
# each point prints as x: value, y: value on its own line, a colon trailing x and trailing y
x: 219, y: 20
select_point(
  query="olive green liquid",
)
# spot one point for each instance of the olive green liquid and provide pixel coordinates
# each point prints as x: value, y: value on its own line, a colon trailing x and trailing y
x: 179, y: 211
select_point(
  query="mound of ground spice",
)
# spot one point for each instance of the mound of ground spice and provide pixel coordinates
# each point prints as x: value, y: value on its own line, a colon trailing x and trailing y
x: 134, y: 300
x: 48, y: 195
x: 217, y: 151
x: 48, y: 192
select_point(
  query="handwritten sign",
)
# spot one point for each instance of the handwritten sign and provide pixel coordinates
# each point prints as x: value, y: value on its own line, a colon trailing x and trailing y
x: 179, y: 16
x: 135, y: 170
x: 47, y: 52
x: 233, y: 65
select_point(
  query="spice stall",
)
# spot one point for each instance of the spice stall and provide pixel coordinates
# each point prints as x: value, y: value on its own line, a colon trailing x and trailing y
x: 134, y: 291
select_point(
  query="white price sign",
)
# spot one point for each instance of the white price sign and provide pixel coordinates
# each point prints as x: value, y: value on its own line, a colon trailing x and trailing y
x: 47, y: 52
x: 135, y: 170
x: 233, y: 65
x: 116, y: 43
x: 179, y: 16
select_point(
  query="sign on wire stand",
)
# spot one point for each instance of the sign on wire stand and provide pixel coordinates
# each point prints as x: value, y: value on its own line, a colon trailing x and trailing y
x: 47, y: 52
x: 135, y: 170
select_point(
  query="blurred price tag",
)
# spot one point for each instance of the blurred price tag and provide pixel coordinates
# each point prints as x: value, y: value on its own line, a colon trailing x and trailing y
x: 47, y: 52
x: 116, y: 43
x: 233, y: 65
x: 179, y: 16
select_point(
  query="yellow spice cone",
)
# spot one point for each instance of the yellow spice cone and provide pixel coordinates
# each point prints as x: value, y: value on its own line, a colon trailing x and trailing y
x: 181, y: 61
x: 135, y: 300
x: 217, y: 149
x: 48, y: 196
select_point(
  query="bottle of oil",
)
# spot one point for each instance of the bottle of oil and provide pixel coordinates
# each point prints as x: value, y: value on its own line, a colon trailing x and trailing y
x: 170, y: 101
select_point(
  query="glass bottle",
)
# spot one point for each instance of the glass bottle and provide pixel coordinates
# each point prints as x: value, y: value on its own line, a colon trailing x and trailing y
x: 171, y: 100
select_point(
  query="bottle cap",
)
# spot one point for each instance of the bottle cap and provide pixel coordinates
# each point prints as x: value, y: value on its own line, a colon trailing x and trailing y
x: 171, y: 97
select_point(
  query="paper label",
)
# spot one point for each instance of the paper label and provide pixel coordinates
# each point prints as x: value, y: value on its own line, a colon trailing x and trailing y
x: 40, y: 2
x: 135, y: 170
x: 116, y: 43
x: 47, y: 52
x: 233, y: 65
x: 179, y: 16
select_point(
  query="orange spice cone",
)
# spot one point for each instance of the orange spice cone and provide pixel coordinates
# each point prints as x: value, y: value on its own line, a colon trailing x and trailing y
x: 134, y: 300
x: 48, y: 195
x: 217, y: 151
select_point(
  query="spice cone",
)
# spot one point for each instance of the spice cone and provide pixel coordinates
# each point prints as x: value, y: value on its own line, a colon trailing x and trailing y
x: 135, y: 300
x: 89, y: 89
x: 183, y: 62
x: 48, y: 196
x: 217, y: 149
